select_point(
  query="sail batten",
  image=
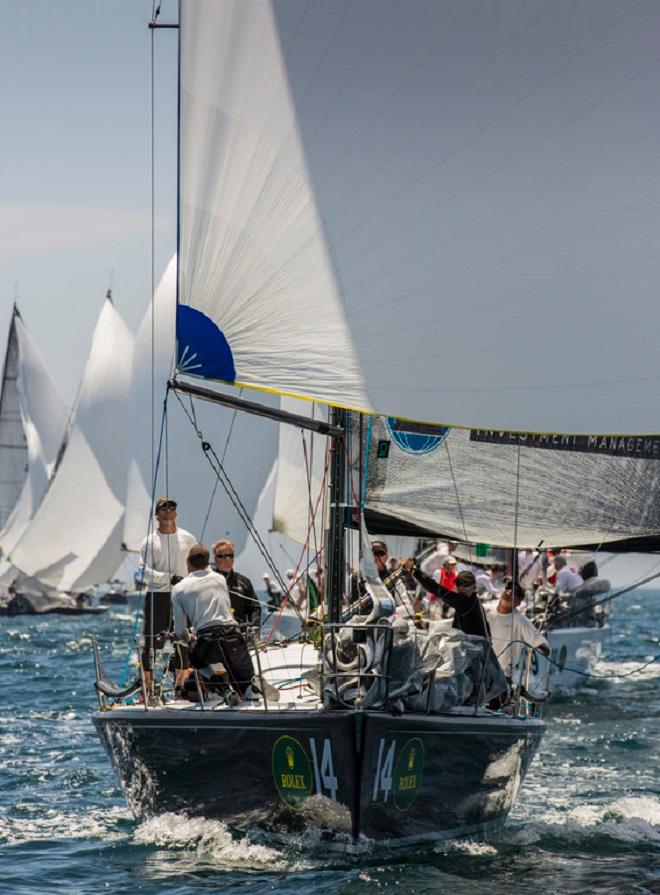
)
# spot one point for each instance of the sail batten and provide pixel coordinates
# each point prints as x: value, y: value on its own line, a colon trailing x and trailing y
x: 435, y: 211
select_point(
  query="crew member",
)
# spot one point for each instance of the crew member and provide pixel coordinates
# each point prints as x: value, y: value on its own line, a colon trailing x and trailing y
x: 201, y: 600
x: 244, y: 601
x: 163, y: 562
x: 568, y: 580
x: 511, y: 629
x: 468, y: 612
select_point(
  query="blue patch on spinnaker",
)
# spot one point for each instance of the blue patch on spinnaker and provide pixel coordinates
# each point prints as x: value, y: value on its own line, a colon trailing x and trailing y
x: 419, y: 441
x: 202, y: 347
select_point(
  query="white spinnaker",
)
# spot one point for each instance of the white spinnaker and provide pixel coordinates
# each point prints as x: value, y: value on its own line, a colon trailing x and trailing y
x: 42, y: 417
x: 74, y: 538
x: 183, y: 472
x: 444, y: 211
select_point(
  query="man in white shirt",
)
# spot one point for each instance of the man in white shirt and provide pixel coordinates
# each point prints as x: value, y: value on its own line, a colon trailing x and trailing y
x: 201, y: 600
x: 508, y: 627
x: 568, y: 580
x: 486, y: 587
x: 163, y: 557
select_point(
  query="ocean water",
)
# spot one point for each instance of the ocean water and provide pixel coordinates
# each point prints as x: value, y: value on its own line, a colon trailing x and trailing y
x: 587, y: 818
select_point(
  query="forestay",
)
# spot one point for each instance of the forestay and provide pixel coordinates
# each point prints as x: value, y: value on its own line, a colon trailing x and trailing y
x: 508, y: 490
x: 441, y: 211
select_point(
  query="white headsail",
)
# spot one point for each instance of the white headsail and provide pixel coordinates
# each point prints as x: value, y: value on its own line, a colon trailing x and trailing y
x: 439, y: 211
x: 74, y: 538
x: 32, y: 425
x: 245, y: 445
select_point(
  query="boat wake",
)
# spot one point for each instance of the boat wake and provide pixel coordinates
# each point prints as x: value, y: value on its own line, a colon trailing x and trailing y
x: 625, y: 821
x: 209, y: 843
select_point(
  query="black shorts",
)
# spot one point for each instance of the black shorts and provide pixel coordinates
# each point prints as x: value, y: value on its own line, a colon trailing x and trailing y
x: 158, y: 627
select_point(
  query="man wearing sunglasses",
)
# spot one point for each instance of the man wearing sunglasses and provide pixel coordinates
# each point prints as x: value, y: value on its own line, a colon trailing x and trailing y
x: 469, y: 615
x: 163, y: 556
x: 244, y: 601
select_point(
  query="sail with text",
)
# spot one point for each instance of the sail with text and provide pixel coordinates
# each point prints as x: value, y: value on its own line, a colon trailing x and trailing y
x: 510, y: 489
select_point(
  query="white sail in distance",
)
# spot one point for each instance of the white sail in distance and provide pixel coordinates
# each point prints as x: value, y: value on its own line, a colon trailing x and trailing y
x: 33, y: 422
x: 74, y: 539
x: 13, y: 443
x: 245, y: 445
x: 439, y: 211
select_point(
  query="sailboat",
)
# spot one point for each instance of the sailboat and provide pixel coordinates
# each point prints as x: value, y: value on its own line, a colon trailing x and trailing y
x: 33, y: 422
x: 378, y: 205
x: 73, y: 536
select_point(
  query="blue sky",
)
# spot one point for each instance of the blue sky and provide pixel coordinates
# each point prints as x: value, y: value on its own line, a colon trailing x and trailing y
x: 75, y: 162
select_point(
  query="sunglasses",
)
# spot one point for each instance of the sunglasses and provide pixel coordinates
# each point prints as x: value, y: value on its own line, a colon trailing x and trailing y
x: 379, y: 553
x: 170, y: 505
x: 224, y: 555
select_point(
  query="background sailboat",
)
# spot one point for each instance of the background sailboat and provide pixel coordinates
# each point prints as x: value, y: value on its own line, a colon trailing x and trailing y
x: 74, y: 537
x: 33, y: 423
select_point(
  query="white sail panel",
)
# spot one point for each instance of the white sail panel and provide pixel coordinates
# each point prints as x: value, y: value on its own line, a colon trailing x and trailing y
x: 253, y: 256
x: 13, y: 445
x: 488, y: 487
x: 300, y: 506
x: 246, y: 445
x: 65, y: 543
x: 443, y: 211
x: 43, y: 418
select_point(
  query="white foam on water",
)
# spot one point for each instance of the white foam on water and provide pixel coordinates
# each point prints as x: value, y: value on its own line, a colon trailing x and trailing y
x: 467, y: 847
x: 627, y: 820
x: 37, y: 823
x: 210, y: 843
x: 632, y: 670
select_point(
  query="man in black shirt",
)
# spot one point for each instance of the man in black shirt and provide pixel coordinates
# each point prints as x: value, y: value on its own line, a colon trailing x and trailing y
x: 244, y: 601
x: 469, y: 615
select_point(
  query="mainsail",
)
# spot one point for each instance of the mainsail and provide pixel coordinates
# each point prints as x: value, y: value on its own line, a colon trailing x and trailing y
x: 74, y: 538
x: 13, y: 443
x: 444, y: 212
x: 32, y: 425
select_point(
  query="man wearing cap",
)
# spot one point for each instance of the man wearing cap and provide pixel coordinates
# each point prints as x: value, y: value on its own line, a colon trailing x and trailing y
x: 511, y: 630
x: 469, y: 615
x: 393, y: 582
x: 163, y: 559
x: 446, y: 574
x: 244, y: 601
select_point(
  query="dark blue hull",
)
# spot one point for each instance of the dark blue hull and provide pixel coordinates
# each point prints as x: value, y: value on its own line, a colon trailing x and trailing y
x: 353, y: 775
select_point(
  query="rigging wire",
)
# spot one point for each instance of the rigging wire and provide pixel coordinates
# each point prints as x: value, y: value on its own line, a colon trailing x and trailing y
x: 222, y: 460
x: 225, y: 481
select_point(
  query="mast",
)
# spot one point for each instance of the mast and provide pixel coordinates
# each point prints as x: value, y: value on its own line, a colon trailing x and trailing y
x: 335, y: 539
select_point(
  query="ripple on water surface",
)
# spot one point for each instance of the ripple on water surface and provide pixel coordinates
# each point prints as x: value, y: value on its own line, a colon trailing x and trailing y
x: 587, y: 819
